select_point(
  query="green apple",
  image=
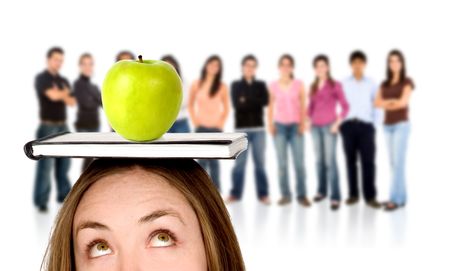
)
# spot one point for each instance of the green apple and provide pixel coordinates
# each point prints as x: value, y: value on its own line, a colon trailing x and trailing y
x: 141, y: 98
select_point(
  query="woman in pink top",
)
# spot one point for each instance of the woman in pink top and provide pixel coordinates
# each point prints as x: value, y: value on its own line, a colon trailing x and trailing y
x: 208, y: 106
x: 326, y: 94
x: 286, y: 115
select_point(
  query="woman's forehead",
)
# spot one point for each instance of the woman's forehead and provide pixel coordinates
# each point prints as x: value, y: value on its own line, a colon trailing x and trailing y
x: 130, y: 192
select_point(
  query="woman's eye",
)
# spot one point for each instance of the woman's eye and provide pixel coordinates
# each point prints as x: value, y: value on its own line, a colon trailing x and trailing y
x: 99, y: 249
x: 162, y: 239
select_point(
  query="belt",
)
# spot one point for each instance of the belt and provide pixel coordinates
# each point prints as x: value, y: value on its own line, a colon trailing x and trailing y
x: 356, y: 120
x: 51, y: 122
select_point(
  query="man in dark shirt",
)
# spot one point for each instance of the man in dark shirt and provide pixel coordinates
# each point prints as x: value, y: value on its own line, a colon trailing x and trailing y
x: 53, y: 92
x: 88, y: 99
x: 249, y: 97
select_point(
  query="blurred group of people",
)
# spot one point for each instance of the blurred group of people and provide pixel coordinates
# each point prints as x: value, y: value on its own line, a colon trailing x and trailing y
x: 328, y: 107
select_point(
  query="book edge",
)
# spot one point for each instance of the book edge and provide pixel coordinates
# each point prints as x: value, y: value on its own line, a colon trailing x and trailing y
x: 28, y: 147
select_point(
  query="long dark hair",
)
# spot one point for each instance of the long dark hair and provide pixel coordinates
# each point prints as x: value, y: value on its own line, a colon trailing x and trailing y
x: 315, y: 84
x: 389, y: 73
x: 215, y: 86
x: 289, y: 58
x: 172, y: 61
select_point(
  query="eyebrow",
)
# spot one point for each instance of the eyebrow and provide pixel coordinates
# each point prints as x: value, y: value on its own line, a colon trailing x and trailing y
x: 158, y: 214
x: 145, y: 219
x: 91, y: 225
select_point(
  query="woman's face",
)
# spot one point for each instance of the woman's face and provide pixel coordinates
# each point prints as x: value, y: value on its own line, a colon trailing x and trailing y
x: 285, y: 68
x: 321, y: 68
x: 135, y: 220
x: 395, y: 64
x: 213, y: 67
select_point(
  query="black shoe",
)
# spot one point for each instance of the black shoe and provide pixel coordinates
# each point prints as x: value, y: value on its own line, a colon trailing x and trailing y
x: 42, y: 209
x: 334, y: 205
x: 284, y: 201
x: 319, y: 198
x: 374, y: 204
x: 352, y: 201
x: 304, y: 201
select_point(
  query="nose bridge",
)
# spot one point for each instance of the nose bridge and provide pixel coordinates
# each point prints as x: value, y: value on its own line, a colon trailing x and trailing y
x: 129, y: 257
x: 127, y: 262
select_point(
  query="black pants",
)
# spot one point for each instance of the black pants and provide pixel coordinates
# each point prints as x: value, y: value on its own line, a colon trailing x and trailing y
x: 359, y: 141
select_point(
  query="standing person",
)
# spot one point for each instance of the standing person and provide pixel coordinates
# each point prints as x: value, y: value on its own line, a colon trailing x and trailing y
x: 249, y: 97
x: 325, y: 95
x: 208, y: 106
x: 53, y: 92
x: 181, y: 125
x: 125, y: 55
x: 89, y: 100
x: 286, y: 120
x: 358, y: 131
x: 393, y: 97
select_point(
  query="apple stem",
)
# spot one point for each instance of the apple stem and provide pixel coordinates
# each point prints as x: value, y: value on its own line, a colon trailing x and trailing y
x: 140, y: 59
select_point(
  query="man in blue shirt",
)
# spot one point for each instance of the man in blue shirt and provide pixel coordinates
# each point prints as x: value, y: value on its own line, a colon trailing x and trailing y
x: 358, y: 131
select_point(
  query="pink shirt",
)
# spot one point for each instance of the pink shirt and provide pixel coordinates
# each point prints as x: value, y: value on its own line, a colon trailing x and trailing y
x: 322, y: 106
x: 209, y: 109
x: 287, y: 102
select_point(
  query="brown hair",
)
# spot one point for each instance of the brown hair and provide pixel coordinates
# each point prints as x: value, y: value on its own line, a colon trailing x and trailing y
x: 389, y: 74
x: 125, y: 53
x: 215, y: 86
x: 83, y: 56
x: 289, y: 58
x: 186, y: 175
x: 315, y: 84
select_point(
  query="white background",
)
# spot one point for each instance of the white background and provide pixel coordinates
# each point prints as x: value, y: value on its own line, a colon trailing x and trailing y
x: 289, y: 238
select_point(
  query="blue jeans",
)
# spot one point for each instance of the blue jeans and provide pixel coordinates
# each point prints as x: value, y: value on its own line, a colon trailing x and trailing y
x: 180, y: 126
x: 257, y: 143
x: 327, y: 171
x: 397, y: 142
x: 288, y: 135
x: 44, y: 167
x: 210, y: 165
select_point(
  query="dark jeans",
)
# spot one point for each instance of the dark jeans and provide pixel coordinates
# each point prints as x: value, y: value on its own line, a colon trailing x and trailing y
x: 359, y: 141
x: 210, y: 165
x: 257, y: 144
x: 89, y: 160
x: 180, y: 126
x: 44, y: 167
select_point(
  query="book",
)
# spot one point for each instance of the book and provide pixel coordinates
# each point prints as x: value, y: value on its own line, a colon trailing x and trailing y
x: 112, y: 145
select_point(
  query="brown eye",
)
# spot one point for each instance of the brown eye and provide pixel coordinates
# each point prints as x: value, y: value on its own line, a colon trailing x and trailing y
x: 162, y: 239
x: 99, y: 249
x: 102, y: 246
